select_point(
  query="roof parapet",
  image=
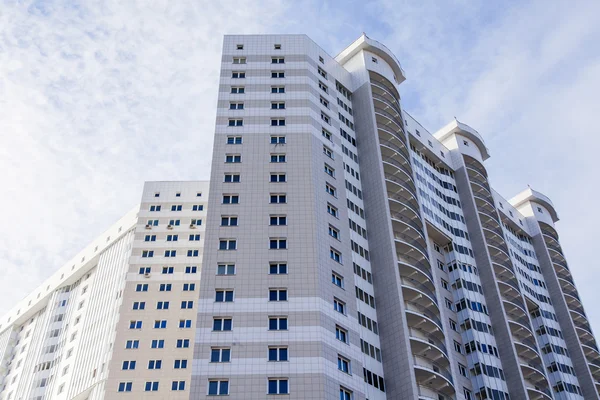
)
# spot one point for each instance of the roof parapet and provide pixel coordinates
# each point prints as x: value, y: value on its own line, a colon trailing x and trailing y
x: 534, y: 196
x: 458, y: 128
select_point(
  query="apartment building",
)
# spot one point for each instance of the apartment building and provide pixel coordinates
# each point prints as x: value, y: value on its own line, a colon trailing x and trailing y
x: 350, y: 254
x: 119, y: 316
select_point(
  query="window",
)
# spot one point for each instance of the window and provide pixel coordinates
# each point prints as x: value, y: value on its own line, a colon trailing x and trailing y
x: 230, y: 220
x: 326, y: 118
x: 172, y: 238
x: 339, y: 306
x: 278, y: 323
x: 277, y: 268
x: 154, y: 208
x: 468, y: 394
x: 147, y: 253
x: 239, y: 47
x: 191, y: 270
x: 160, y: 324
x: 278, y: 105
x: 176, y: 207
x: 167, y: 270
x: 457, y: 347
x: 278, y: 198
x: 277, y: 294
x: 226, y: 269
x: 218, y: 388
x: 341, y: 334
x: 337, y: 280
x: 329, y: 171
x: 345, y: 394
x: 331, y: 190
x: 236, y: 122
x: 323, y: 87
x: 334, y: 232
x: 178, y: 385
x: 141, y: 287
x: 277, y: 140
x: 343, y: 364
x: 231, y: 178
x: 151, y: 386
x: 328, y: 152
x: 276, y: 220
x: 185, y: 323
x: 124, y: 386
x: 278, y: 354
x: 238, y: 74
x: 239, y: 60
x: 139, y: 305
x: 233, y: 158
x: 223, y: 296
x: 335, y: 255
x: 277, y: 243
x: 234, y: 139
x: 174, y: 222
x: 277, y: 74
x: 332, y: 210
x: 128, y: 365
x: 237, y: 90
x: 449, y: 304
x: 321, y: 60
x: 236, y: 106
x: 463, y: 370
x: 231, y: 199
x: 193, y: 253
x: 277, y: 177
x: 132, y: 344
x: 162, y: 305
x: 227, y: 244
x: 277, y: 158
x: 152, y: 222
x: 445, y: 284
x: 326, y: 134
x: 277, y: 60
x: 145, y: 270
x: 374, y: 60
x: 278, y: 386
x: 194, y: 238
x: 154, y: 364
x: 466, y: 143
x: 157, y: 344
x: 277, y: 121
x: 324, y: 102
x: 220, y: 355
x: 277, y: 46
x: 187, y: 305
x: 183, y: 343
x: 180, y: 364
x: 170, y: 253
x: 222, y: 324
x: 321, y: 72
x: 165, y: 287
x: 277, y: 89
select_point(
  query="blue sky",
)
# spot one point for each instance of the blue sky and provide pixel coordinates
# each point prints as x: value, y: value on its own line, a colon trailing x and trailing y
x: 98, y: 96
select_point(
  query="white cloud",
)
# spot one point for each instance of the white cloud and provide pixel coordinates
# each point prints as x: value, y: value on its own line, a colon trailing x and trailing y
x: 97, y: 97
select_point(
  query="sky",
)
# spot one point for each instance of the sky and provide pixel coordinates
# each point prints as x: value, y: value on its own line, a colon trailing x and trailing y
x: 97, y: 97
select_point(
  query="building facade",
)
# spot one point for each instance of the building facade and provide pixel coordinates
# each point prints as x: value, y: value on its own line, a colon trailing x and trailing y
x: 350, y: 254
x: 120, y: 316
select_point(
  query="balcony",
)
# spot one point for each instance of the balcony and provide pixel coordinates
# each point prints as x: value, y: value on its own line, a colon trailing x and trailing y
x: 422, y: 288
x: 425, y: 344
x: 405, y: 238
x: 388, y: 134
x: 538, y: 393
x: 395, y: 145
x: 383, y: 119
x: 528, y: 351
x: 422, y: 317
x: 408, y: 265
x: 401, y: 220
x: 475, y: 165
x: 384, y: 104
x: 426, y: 393
x: 398, y: 188
x: 430, y: 375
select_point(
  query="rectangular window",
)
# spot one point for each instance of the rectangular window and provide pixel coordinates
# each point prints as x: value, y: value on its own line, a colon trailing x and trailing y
x: 172, y: 238
x: 125, y: 386
x: 231, y: 178
x: 233, y: 158
x: 278, y: 323
x: 277, y: 243
x: 277, y: 121
x: 337, y: 280
x: 323, y: 87
x: 154, y: 208
x: 231, y: 199
x: 332, y: 210
x: 341, y: 334
x: 193, y: 253
x: 220, y: 355
x: 334, y: 232
x: 154, y: 364
x: 238, y: 74
x: 223, y: 295
x: 278, y: 105
x: 132, y: 344
x: 335, y: 255
x: 187, y: 305
x: 227, y: 244
x: 178, y: 385
x: 277, y: 139
x: 277, y: 158
x: 238, y: 90
x: 331, y: 190
x: 234, y: 139
x: 277, y: 220
x: 141, y: 287
x: 197, y: 207
x: 329, y: 170
x: 170, y: 253
x: 128, y: 365
x: 151, y: 386
x: 278, y: 354
x: 139, y: 305
x: 147, y: 253
x: 321, y: 72
x: 183, y: 343
x: 145, y: 270
x: 218, y: 388
x: 278, y: 198
x: 150, y: 238
x: 194, y: 238
x: 239, y: 60
x: 180, y: 364
x: 222, y: 324
x: 236, y: 106
x: 277, y: 177
x: 176, y: 207
x: 463, y: 370
x: 328, y: 152
x: 191, y: 270
x: 165, y: 287
x: 185, y: 323
x: 229, y: 220
x: 158, y: 344
x: 162, y: 305
x: 160, y: 324
x: 278, y: 268
x: 278, y: 295
x: 326, y: 118
x: 236, y: 122
x: 277, y: 60
x: 344, y: 364
x: 324, y: 102
x: 339, y: 306
x: 345, y: 394
x: 277, y: 74
x: 278, y: 386
x: 226, y: 269
x: 277, y: 89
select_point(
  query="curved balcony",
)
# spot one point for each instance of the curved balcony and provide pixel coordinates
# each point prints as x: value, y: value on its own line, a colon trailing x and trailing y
x: 381, y: 103
x: 563, y: 274
x: 481, y: 192
x: 431, y: 375
x: 425, y: 344
x: 568, y: 288
x: 473, y: 171
x: 578, y: 317
x: 475, y: 179
x: 554, y: 247
x: 498, y: 254
x: 504, y: 271
x: 383, y: 90
x: 549, y: 231
x: 538, y: 393
x: 584, y: 331
x: 515, y: 307
x: 402, y: 239
x: 422, y: 317
x: 589, y: 343
x: 398, y: 218
x: 422, y: 289
x: 393, y: 165
x: 395, y: 145
x: 508, y: 287
x: 561, y: 264
x: 426, y: 393
x: 527, y: 352
x: 493, y: 239
x: 495, y: 233
x: 397, y: 187
x: 385, y: 120
x: 398, y: 205
x: 387, y: 134
x: 572, y: 301
x: 409, y: 265
x: 475, y: 165
x: 520, y: 332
